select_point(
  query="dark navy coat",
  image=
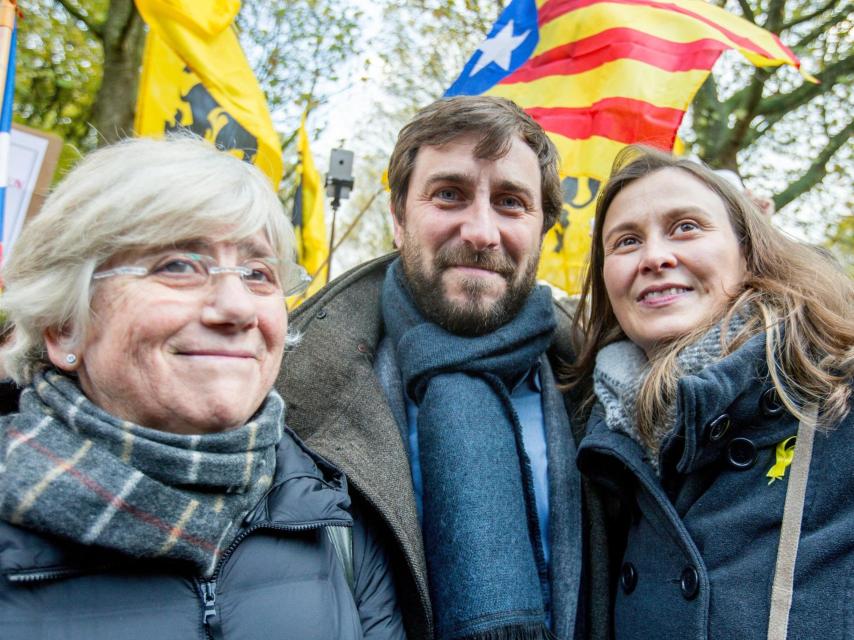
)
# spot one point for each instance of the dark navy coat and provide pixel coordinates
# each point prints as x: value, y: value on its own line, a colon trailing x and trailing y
x: 281, y: 578
x: 702, y: 538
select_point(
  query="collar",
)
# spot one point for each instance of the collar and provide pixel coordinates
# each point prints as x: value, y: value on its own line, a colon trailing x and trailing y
x: 732, y: 391
x: 307, y: 489
x: 529, y: 380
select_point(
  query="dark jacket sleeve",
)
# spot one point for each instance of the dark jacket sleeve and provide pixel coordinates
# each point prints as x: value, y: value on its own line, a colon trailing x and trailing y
x: 374, y: 589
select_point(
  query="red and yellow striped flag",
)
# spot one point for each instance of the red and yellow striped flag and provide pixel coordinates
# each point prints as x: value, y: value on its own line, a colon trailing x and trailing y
x: 598, y: 75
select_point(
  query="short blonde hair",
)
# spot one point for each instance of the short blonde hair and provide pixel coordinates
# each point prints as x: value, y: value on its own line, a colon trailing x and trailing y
x: 133, y: 195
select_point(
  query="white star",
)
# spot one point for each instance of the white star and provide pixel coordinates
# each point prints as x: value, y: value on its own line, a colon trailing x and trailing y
x: 499, y: 48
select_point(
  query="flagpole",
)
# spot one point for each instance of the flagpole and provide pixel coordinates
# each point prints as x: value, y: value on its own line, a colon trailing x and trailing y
x: 8, y: 13
x: 7, y: 25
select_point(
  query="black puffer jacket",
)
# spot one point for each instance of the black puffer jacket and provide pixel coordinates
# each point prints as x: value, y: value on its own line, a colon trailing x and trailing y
x: 281, y: 578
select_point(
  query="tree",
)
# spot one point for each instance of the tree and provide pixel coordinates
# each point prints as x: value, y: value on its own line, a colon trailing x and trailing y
x: 744, y: 113
x: 299, y: 52
x: 119, y: 30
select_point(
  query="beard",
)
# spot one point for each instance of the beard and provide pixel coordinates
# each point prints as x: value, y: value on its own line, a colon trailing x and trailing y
x: 476, y: 315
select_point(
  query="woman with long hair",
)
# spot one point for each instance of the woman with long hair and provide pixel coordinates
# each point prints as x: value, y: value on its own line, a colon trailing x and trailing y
x: 716, y: 360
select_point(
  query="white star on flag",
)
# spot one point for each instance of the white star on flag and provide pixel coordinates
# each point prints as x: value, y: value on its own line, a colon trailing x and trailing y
x: 499, y: 48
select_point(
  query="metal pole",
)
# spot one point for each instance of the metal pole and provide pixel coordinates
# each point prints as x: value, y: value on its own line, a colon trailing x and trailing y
x: 331, y: 241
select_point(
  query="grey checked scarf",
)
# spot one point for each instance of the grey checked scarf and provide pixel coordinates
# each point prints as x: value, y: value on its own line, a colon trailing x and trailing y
x: 69, y: 468
x: 621, y: 368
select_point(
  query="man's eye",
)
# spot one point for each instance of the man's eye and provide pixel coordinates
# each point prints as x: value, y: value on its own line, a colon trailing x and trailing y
x: 447, y: 194
x: 687, y: 226
x: 510, y: 202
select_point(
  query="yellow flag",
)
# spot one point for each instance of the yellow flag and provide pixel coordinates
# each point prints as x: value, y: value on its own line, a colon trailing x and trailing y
x: 195, y: 76
x: 308, y: 217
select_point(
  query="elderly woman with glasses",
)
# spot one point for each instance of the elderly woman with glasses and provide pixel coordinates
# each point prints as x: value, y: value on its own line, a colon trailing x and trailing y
x: 149, y: 487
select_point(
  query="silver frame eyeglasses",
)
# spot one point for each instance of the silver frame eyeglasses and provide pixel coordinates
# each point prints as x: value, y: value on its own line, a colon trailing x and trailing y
x: 203, y: 267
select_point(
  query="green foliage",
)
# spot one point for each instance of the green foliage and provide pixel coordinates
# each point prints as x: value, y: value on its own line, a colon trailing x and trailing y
x: 57, y: 73
x: 425, y: 44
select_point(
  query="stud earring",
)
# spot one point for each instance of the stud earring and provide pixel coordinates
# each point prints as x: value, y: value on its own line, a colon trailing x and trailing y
x: 71, y: 358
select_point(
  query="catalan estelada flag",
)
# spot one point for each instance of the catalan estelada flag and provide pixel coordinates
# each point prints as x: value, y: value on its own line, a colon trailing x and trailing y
x: 308, y: 218
x: 8, y: 35
x: 195, y: 76
x: 598, y: 75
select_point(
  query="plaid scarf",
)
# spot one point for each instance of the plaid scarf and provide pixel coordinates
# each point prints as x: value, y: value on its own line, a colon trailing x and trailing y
x: 69, y: 468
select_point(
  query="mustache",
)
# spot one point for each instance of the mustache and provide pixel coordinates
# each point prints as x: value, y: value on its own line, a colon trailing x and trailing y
x: 464, y: 256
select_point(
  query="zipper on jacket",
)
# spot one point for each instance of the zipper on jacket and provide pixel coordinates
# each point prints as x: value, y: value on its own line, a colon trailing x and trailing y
x: 209, y: 616
x: 272, y: 526
x: 40, y: 575
x: 212, y: 622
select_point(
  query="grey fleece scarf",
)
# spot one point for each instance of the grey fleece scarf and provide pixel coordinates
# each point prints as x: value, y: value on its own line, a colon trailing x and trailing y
x: 621, y: 368
x: 69, y: 468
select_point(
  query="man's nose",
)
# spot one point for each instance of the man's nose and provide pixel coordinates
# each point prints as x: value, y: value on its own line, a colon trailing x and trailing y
x: 480, y: 227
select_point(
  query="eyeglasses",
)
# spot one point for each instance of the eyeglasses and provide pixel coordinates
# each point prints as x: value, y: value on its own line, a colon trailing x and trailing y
x: 181, y: 270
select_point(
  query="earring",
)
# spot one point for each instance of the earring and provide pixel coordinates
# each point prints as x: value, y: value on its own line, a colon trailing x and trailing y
x: 71, y: 358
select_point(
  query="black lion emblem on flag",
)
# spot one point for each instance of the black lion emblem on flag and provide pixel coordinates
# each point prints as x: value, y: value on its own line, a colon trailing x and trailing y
x: 212, y: 122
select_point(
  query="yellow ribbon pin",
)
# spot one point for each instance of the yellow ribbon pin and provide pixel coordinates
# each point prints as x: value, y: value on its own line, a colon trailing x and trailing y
x: 784, y: 454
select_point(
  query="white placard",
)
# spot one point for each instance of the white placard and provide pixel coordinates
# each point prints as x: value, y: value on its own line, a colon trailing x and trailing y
x: 26, y: 156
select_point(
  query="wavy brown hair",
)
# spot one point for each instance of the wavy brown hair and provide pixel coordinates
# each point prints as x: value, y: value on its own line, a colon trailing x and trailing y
x: 795, y: 292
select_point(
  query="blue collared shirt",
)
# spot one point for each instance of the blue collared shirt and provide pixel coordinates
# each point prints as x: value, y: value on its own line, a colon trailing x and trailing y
x: 527, y: 399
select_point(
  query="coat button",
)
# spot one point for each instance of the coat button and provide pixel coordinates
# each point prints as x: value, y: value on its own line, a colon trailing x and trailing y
x: 320, y: 315
x: 741, y: 453
x: 718, y: 427
x: 628, y: 577
x: 770, y: 403
x: 689, y: 583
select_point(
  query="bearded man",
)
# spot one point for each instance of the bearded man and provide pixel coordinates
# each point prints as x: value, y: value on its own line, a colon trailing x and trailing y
x: 428, y: 378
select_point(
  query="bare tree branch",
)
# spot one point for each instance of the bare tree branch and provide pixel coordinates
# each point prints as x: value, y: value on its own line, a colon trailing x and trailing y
x: 807, y: 91
x: 809, y: 16
x: 817, y: 170
x: 744, y: 114
x: 822, y: 27
x: 287, y: 142
x: 747, y: 11
x: 775, y: 15
x: 133, y: 20
x: 97, y: 29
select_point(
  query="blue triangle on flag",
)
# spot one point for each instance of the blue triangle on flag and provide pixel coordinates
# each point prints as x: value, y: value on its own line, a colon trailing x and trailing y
x: 511, y: 42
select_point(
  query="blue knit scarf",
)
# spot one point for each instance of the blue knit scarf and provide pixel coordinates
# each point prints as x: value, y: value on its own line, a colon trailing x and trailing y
x: 482, y: 541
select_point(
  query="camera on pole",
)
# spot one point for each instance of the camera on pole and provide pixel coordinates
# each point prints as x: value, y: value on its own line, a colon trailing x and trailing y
x: 339, y: 182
